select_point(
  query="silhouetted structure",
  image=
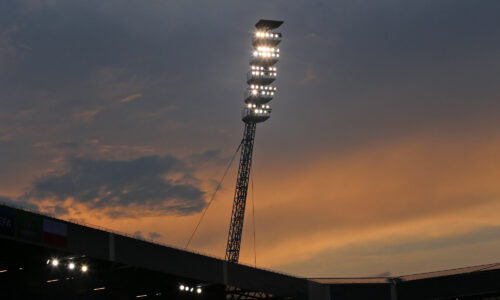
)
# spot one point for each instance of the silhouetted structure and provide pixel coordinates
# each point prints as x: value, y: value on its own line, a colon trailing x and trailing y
x: 259, y: 92
x: 123, y: 267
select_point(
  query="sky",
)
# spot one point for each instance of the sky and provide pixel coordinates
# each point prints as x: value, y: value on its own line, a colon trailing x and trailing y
x: 382, y: 155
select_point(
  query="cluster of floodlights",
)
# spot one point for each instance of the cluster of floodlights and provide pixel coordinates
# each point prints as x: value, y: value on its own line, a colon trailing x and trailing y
x: 262, y: 68
x: 250, y: 105
x: 190, y: 289
x: 263, y: 34
x: 262, y: 87
x: 257, y: 73
x: 265, y: 54
x: 254, y: 92
x: 71, y: 265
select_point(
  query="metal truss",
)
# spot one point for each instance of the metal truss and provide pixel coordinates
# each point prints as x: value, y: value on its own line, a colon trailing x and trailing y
x: 240, y: 194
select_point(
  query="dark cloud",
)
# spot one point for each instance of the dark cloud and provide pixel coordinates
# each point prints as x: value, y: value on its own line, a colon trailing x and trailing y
x: 117, y: 185
x: 19, y: 204
x: 208, y: 156
x: 154, y: 235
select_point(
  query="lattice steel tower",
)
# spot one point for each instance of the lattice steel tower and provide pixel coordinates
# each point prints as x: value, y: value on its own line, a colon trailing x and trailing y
x: 262, y: 73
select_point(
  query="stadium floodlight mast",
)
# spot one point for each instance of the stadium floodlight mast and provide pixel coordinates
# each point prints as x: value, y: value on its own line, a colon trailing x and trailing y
x: 265, y: 54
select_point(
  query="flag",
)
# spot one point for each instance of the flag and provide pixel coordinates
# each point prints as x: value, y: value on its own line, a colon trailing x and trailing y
x: 55, y: 233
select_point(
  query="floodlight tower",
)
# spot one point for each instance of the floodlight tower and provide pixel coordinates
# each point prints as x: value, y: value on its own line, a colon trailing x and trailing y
x: 262, y: 73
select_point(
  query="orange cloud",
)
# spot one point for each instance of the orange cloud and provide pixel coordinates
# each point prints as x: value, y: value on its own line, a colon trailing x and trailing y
x: 424, y: 188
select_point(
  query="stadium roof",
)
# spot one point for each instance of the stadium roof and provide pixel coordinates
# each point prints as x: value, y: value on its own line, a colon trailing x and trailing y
x: 419, y: 276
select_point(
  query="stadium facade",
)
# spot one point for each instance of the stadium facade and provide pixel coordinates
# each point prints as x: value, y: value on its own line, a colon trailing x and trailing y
x: 42, y: 257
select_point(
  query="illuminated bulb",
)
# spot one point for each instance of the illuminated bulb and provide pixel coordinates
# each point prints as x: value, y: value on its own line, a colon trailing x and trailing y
x: 181, y: 287
x: 71, y: 266
x: 198, y: 290
x: 55, y: 262
x: 85, y: 268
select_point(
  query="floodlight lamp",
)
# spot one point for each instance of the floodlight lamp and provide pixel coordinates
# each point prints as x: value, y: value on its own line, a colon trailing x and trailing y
x: 198, y: 290
x: 181, y: 287
x: 84, y: 268
x: 71, y: 265
x: 55, y: 262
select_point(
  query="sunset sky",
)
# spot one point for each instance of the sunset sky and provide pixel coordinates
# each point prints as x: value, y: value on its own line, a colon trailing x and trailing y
x: 382, y: 155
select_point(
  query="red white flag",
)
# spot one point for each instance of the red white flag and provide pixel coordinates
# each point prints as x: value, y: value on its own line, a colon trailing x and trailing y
x: 55, y: 233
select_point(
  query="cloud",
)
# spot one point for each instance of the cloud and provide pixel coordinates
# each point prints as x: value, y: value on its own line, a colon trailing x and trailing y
x: 18, y: 204
x: 208, y: 156
x: 131, y: 98
x: 376, y: 255
x: 309, y: 76
x: 86, y: 116
x: 151, y: 183
x: 154, y: 235
x: 10, y: 51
